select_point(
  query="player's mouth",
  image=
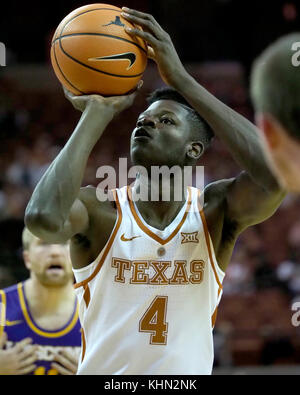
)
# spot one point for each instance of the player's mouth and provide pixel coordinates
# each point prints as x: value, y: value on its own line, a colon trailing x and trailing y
x: 55, y: 268
x: 142, y: 134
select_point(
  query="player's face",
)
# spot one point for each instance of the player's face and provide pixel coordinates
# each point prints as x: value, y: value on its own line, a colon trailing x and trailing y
x: 161, y: 135
x: 49, y: 263
x: 282, y: 153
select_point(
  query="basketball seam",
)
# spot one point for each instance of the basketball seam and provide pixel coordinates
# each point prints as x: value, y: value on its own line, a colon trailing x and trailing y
x: 97, y: 70
x: 85, y: 12
x: 63, y: 75
x: 100, y: 34
x: 97, y: 9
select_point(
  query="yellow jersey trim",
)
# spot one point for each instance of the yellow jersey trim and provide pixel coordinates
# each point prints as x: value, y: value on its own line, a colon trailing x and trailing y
x: 2, y: 311
x: 33, y: 326
x: 13, y: 323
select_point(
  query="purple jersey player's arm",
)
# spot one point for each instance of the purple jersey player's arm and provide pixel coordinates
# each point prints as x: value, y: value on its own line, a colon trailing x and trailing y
x: 59, y: 208
x: 252, y: 196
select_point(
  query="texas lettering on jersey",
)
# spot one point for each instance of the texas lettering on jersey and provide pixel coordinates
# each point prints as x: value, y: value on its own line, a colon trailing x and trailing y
x: 158, y: 276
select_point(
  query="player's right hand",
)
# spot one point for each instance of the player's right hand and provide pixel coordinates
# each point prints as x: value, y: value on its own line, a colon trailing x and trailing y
x: 18, y: 360
x: 114, y: 104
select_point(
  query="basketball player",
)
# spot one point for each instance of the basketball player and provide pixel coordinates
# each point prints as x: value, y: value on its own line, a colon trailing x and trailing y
x: 40, y: 315
x: 275, y: 88
x: 149, y: 273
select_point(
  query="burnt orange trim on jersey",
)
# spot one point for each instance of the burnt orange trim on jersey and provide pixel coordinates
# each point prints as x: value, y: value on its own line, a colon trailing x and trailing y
x: 148, y: 231
x: 214, y: 318
x: 87, y: 295
x: 207, y: 239
x: 83, y: 344
x: 108, y: 246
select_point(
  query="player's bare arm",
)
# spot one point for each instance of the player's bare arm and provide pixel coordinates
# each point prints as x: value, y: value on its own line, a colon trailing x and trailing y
x: 59, y: 208
x: 230, y: 205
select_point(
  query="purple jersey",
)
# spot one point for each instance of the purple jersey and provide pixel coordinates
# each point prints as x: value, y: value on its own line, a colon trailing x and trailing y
x: 18, y: 323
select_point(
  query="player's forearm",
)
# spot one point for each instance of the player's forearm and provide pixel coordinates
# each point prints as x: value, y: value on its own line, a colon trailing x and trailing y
x: 239, y: 134
x: 53, y: 197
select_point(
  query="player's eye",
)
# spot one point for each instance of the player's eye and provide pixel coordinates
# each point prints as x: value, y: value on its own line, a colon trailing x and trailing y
x: 167, y: 121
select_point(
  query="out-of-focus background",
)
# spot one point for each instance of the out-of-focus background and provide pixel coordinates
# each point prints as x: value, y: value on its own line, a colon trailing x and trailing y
x: 256, y: 329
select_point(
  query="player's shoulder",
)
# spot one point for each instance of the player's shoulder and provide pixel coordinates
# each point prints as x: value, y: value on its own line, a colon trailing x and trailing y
x: 11, y: 289
x: 9, y: 292
x: 93, y: 198
x: 217, y: 189
x: 88, y: 193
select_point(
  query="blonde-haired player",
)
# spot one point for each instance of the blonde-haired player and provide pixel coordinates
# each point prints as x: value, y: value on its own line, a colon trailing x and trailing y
x: 275, y: 90
x: 39, y: 324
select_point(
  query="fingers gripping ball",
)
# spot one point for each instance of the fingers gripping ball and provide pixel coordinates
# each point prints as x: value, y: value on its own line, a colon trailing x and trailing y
x: 92, y: 53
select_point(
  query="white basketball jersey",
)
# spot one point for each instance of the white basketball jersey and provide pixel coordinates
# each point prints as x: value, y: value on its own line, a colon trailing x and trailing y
x: 149, y: 301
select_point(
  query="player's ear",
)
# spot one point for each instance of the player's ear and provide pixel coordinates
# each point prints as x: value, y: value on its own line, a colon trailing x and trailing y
x: 270, y: 130
x: 195, y: 150
x: 26, y: 259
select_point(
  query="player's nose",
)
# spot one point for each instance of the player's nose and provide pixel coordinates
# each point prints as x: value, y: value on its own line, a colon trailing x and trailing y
x: 146, y: 121
x: 55, y: 250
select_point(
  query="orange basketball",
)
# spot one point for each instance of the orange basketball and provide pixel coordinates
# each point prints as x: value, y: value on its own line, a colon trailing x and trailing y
x: 92, y: 53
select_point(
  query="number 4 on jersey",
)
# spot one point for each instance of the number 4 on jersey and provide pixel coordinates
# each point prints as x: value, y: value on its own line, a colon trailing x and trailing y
x: 154, y: 321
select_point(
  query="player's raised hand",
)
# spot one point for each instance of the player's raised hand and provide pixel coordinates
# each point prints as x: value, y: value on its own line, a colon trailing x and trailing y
x: 66, y: 363
x: 18, y: 360
x: 160, y: 45
x: 116, y: 104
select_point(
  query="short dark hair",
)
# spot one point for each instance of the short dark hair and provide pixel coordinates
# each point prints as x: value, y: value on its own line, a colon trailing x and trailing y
x: 275, y: 84
x: 198, y: 123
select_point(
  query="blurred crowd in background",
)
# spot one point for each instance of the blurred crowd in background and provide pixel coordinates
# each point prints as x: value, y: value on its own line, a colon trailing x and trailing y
x: 262, y: 283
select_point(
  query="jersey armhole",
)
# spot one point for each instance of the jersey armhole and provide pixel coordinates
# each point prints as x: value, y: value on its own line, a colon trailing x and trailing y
x: 218, y: 272
x: 94, y: 267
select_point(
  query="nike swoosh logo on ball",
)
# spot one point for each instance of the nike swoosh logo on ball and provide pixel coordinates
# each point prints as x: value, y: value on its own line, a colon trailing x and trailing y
x: 130, y: 56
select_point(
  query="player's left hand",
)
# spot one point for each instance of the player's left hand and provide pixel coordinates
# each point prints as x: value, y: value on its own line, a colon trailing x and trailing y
x: 66, y: 363
x: 160, y: 46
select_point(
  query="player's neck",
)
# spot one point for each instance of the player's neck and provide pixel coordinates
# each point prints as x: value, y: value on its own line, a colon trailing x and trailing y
x: 47, y: 299
x: 159, y: 212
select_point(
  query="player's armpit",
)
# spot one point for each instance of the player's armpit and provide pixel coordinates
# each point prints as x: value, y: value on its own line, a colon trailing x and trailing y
x: 248, y: 203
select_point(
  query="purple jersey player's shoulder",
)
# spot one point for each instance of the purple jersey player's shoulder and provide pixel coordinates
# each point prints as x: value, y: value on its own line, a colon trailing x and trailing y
x: 11, y: 289
x: 10, y: 306
x: 20, y: 324
x: 2, y: 310
x: 10, y: 293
